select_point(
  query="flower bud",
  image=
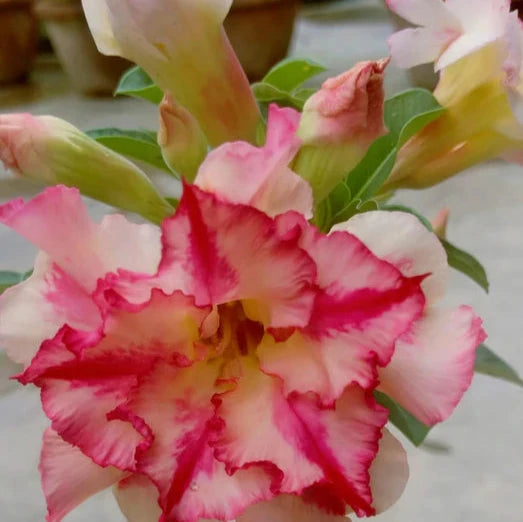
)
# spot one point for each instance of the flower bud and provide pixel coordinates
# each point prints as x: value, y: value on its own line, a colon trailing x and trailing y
x: 54, y: 152
x: 183, y: 143
x: 184, y: 48
x: 338, y: 124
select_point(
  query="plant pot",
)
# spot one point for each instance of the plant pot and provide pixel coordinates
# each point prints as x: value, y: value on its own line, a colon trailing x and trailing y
x: 18, y: 39
x: 260, y: 32
x: 89, y: 71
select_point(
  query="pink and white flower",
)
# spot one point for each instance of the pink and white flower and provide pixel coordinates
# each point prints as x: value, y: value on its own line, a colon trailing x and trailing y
x: 226, y: 370
x: 159, y: 383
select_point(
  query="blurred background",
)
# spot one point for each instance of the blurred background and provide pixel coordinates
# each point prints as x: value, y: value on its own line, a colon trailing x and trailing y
x: 470, y: 469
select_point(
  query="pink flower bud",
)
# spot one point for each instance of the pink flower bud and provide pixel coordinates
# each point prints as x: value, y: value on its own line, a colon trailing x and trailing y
x: 339, y: 123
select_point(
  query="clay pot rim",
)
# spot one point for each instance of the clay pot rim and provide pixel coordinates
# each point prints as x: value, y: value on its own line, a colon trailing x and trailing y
x: 53, y: 10
x: 13, y: 4
x: 245, y: 5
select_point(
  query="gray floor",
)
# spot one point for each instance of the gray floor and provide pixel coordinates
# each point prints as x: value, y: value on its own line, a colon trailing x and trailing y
x: 471, y: 468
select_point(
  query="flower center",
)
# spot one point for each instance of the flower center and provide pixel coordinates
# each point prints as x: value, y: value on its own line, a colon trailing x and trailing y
x: 236, y: 334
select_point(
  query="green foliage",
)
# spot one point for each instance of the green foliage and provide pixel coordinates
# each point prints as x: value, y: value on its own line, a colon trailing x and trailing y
x: 466, y: 264
x: 411, y: 427
x: 9, y: 279
x: 136, y: 83
x: 139, y: 145
x: 291, y: 73
x: 282, y: 84
x: 405, y: 115
x: 488, y: 363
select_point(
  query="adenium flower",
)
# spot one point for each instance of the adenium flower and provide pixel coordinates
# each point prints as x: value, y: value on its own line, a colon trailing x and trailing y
x: 183, y: 144
x: 338, y: 124
x: 225, y: 369
x: 184, y: 48
x: 52, y: 151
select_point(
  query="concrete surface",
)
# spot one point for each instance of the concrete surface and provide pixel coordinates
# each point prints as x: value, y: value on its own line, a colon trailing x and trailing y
x: 471, y: 467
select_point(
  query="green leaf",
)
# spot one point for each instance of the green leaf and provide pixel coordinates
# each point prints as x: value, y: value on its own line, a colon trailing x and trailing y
x: 9, y: 279
x: 409, y: 111
x: 137, y: 83
x: 466, y: 264
x: 140, y: 145
x: 291, y: 73
x: 405, y: 115
x: 409, y: 425
x: 488, y: 363
x: 266, y: 93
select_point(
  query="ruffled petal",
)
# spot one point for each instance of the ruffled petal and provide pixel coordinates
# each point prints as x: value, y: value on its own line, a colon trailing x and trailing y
x: 401, y: 239
x: 364, y: 305
x: 177, y: 405
x: 411, y: 47
x: 305, y: 441
x: 389, y: 473
x: 217, y: 251
x: 261, y: 426
x: 46, y: 301
x: 69, y: 477
x: 344, y: 442
x: 288, y: 508
x: 423, y: 12
x: 433, y: 364
x: 58, y: 223
x: 137, y: 499
x: 85, y: 377
x: 242, y: 173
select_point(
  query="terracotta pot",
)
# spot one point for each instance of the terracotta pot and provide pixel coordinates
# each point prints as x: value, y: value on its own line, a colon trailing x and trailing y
x: 18, y: 39
x: 89, y: 71
x: 260, y: 32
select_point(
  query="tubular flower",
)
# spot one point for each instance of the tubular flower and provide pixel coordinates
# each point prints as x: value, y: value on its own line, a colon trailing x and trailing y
x: 225, y: 371
x: 338, y: 124
x: 184, y: 48
x: 463, y: 136
x: 52, y: 151
x: 481, y: 66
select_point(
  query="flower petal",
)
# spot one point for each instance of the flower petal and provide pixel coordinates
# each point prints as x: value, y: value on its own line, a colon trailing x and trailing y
x: 433, y: 364
x: 242, y: 173
x: 260, y: 426
x: 364, y: 305
x: 305, y: 441
x: 138, y: 499
x: 422, y: 12
x: 46, y: 301
x: 58, y: 223
x: 288, y: 508
x: 401, y: 239
x: 217, y: 252
x: 69, y: 477
x: 177, y: 405
x: 411, y: 47
x: 389, y: 473
x: 85, y: 377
